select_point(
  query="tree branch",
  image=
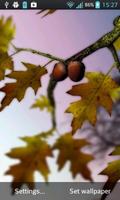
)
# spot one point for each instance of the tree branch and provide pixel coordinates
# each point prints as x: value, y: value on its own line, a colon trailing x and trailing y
x: 33, y: 51
x: 115, y: 56
x: 106, y: 41
x: 50, y: 93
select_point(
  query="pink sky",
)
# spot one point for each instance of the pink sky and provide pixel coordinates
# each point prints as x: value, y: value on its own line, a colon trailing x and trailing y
x: 62, y: 34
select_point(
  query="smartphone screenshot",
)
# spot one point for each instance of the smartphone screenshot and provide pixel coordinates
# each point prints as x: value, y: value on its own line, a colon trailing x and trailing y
x: 60, y: 99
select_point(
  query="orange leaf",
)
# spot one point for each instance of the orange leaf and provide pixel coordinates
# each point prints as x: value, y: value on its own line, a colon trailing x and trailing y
x: 5, y: 63
x: 70, y: 150
x: 113, y: 172
x: 32, y: 158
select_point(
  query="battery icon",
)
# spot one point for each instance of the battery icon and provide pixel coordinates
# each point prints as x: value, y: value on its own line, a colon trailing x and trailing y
x: 97, y: 4
x: 24, y: 4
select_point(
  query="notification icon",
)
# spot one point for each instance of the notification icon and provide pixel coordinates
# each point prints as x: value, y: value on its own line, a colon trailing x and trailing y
x: 33, y: 4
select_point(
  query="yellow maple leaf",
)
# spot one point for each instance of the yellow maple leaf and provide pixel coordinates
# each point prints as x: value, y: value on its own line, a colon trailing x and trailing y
x: 94, y: 94
x: 117, y: 44
x: 24, y: 79
x: 70, y: 150
x: 43, y: 103
x: 7, y: 32
x: 32, y: 158
x: 113, y: 172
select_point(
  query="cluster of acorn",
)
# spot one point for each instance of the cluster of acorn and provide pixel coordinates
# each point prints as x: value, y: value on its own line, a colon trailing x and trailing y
x: 75, y: 70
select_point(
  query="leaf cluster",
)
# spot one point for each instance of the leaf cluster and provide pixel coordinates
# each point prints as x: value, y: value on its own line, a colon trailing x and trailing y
x: 33, y: 157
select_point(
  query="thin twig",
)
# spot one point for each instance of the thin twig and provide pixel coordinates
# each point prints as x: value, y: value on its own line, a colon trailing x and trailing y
x: 33, y: 51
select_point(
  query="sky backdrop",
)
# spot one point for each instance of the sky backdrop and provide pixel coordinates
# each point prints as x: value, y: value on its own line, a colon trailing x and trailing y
x: 62, y: 34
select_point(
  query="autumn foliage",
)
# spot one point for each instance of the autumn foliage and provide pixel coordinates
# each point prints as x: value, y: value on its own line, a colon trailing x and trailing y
x: 98, y: 90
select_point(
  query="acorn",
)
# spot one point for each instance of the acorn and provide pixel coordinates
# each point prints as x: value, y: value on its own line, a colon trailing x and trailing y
x: 59, y: 72
x: 76, y: 71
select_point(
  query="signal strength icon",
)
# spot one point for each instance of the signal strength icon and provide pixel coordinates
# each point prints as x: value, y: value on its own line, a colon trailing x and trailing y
x: 70, y: 4
x: 80, y: 6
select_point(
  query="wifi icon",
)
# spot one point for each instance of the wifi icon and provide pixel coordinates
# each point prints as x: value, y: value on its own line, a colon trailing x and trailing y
x: 70, y: 4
